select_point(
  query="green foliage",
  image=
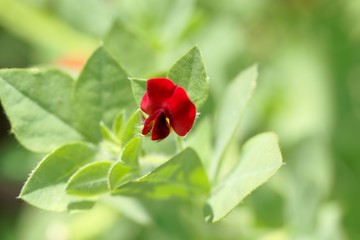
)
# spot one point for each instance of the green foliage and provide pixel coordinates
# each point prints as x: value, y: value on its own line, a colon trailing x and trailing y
x: 231, y: 110
x: 127, y: 167
x: 108, y: 134
x: 45, y: 114
x: 189, y: 72
x: 45, y: 187
x: 308, y: 94
x: 260, y: 158
x: 121, y: 173
x: 138, y: 87
x: 130, y: 153
x: 118, y: 124
x: 101, y: 92
x: 48, y: 110
x: 131, y: 128
x: 181, y: 177
x: 140, y: 57
x: 89, y: 180
x: 39, y: 106
x: 41, y: 28
x: 201, y: 140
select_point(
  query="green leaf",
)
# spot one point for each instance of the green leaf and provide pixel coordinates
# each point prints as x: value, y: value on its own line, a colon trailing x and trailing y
x: 45, y: 187
x: 131, y: 128
x: 121, y: 173
x: 138, y: 87
x: 236, y: 99
x: 259, y: 159
x: 101, y: 92
x: 181, y: 177
x: 90, y: 180
x: 107, y: 134
x: 189, y: 72
x: 201, y: 139
x: 130, y: 153
x: 38, y: 105
x: 118, y: 124
x: 128, y: 167
x: 130, y: 49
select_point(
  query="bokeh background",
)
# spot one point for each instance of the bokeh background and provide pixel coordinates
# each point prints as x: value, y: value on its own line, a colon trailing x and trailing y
x: 308, y: 92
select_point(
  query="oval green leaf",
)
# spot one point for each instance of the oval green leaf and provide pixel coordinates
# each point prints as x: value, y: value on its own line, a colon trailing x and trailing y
x: 45, y: 187
x: 183, y: 176
x: 121, y: 173
x: 138, y: 87
x: 118, y: 124
x: 128, y: 167
x: 108, y: 134
x: 130, y: 153
x: 131, y: 129
x: 259, y: 159
x: 231, y: 111
x: 90, y: 180
x: 101, y: 92
x: 38, y: 105
x: 189, y: 72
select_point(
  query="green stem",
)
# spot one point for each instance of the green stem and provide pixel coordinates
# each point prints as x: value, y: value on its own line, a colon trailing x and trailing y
x: 180, y: 143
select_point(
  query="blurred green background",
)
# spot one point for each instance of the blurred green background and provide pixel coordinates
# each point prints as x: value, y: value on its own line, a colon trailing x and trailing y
x: 308, y: 92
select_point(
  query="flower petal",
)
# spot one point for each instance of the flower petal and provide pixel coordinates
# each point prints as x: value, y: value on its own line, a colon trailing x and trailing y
x: 161, y: 127
x: 157, y: 123
x: 180, y: 111
x: 158, y: 90
x: 149, y: 123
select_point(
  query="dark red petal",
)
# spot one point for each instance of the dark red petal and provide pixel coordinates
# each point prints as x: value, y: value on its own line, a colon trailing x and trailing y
x: 149, y: 123
x: 158, y: 90
x: 161, y: 127
x: 157, y: 123
x: 180, y: 111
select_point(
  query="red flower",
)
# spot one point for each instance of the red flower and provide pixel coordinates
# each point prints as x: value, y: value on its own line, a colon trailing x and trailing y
x: 168, y: 106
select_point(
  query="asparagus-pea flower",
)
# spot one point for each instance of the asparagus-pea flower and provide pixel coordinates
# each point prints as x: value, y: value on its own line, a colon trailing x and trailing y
x: 168, y: 107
